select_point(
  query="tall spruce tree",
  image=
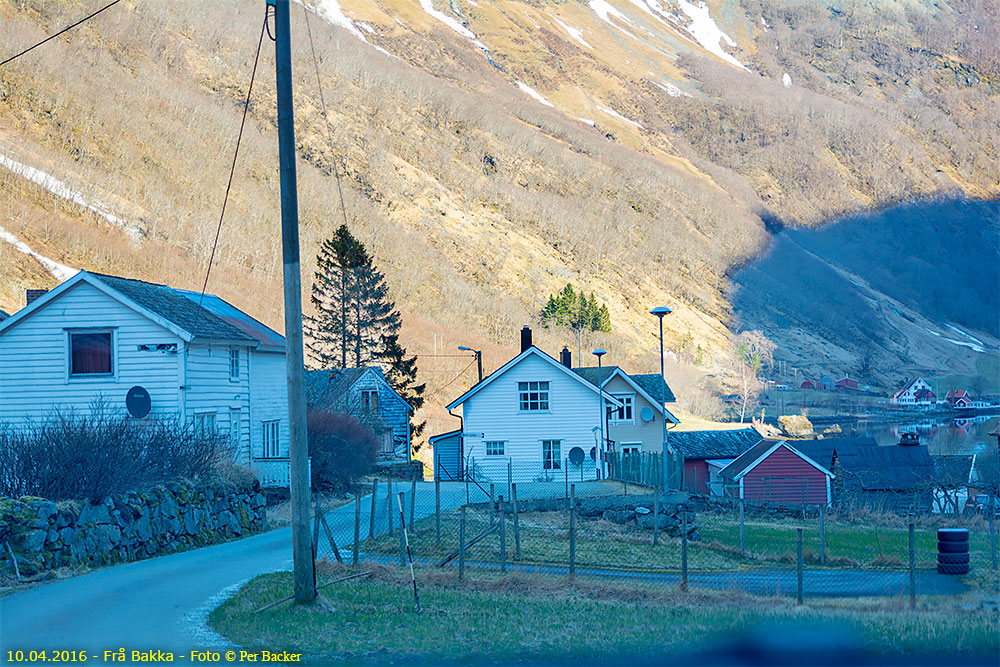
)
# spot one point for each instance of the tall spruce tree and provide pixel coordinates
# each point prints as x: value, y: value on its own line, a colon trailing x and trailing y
x: 353, y: 308
x: 401, y: 373
x: 577, y: 310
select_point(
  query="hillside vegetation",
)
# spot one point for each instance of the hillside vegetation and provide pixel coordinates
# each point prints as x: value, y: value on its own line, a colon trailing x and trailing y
x: 491, y: 151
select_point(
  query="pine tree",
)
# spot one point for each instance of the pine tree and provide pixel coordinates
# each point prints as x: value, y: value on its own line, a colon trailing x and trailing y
x: 604, y: 320
x: 401, y: 374
x: 576, y: 310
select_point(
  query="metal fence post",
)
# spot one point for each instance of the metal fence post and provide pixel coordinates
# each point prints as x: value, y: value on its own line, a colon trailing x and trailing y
x: 510, y: 476
x: 684, y: 551
x: 517, y: 522
x: 461, y: 544
x: 493, y: 507
x: 402, y: 530
x: 798, y: 565
x: 743, y: 552
x: 822, y: 535
x: 566, y: 476
x: 371, y: 528
x: 656, y: 514
x: 466, y: 487
x: 357, y: 528
x: 388, y: 501
x: 572, y: 531
x: 993, y: 534
x: 437, y: 511
x: 913, y: 568
x: 413, y: 497
x: 503, y: 538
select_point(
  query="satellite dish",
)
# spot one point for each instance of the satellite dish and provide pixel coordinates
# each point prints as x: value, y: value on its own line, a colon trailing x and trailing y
x: 576, y: 456
x: 593, y: 453
x: 138, y: 402
x: 647, y: 414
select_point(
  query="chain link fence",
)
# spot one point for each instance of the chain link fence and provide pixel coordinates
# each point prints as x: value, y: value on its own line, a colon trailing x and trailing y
x: 619, y: 530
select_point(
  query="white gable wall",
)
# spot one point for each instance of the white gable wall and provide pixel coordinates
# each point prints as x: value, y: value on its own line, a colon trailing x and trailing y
x: 494, y: 412
x: 34, y: 359
x: 268, y: 399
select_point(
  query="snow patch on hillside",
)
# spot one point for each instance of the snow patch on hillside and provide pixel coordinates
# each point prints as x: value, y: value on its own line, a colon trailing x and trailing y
x: 533, y: 93
x: 612, y: 112
x: 330, y: 11
x: 786, y: 79
x: 575, y: 33
x: 428, y: 6
x: 970, y: 337
x: 977, y: 348
x: 605, y: 11
x: 704, y: 29
x: 59, y: 271
x: 669, y: 89
x: 60, y: 189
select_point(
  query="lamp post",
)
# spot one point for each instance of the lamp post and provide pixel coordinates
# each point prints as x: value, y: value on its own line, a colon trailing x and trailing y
x: 600, y: 390
x: 479, y: 358
x: 660, y: 311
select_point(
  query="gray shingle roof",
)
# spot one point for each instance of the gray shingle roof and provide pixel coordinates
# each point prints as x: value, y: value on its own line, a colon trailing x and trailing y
x: 172, y: 305
x: 326, y: 388
x: 652, y: 384
x: 744, y: 460
x: 866, y: 465
x: 714, y: 444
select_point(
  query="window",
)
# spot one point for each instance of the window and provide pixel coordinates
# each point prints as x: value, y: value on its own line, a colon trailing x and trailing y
x: 90, y: 353
x: 271, y: 450
x: 235, y: 422
x: 204, y: 424
x: 494, y: 447
x: 534, y: 396
x: 388, y: 444
x: 369, y: 401
x: 621, y: 414
x: 551, y: 457
x: 234, y: 363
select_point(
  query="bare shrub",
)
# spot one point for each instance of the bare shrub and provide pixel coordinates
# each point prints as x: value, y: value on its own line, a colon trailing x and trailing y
x: 341, y: 447
x: 70, y: 455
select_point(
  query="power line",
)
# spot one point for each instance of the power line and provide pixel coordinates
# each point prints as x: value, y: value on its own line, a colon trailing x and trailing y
x: 70, y: 27
x: 451, y: 382
x: 232, y: 170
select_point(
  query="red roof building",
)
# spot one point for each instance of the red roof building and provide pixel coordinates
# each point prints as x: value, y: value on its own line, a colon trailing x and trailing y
x: 925, y: 397
x: 775, y: 472
x: 846, y: 384
x: 959, y: 398
x: 807, y: 384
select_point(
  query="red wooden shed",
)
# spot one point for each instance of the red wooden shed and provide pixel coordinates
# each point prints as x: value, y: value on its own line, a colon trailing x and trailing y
x: 807, y: 384
x: 774, y: 471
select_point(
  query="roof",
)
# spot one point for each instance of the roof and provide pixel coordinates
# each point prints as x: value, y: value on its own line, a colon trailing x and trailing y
x: 996, y: 431
x: 714, y: 444
x: 179, y: 308
x: 531, y: 351
x: 444, y: 436
x: 326, y: 387
x: 900, y: 392
x: 749, y: 459
x: 267, y: 337
x: 865, y: 464
x: 3, y: 315
x: 605, y: 374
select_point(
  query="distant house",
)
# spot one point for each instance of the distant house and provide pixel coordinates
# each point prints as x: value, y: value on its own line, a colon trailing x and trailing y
x: 846, y: 385
x: 959, y: 399
x: 824, y: 384
x: 706, y: 453
x: 925, y: 398
x: 807, y: 384
x: 541, y: 419
x: 774, y: 471
x: 907, y: 395
x: 199, y: 360
x: 364, y: 394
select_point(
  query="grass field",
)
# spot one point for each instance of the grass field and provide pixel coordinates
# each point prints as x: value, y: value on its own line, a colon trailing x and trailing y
x: 515, y: 618
x: 880, y: 542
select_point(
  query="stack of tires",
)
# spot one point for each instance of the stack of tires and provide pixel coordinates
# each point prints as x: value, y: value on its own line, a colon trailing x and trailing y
x: 953, y: 551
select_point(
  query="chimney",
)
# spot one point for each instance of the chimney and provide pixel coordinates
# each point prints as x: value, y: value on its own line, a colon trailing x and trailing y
x: 566, y: 357
x: 525, y: 338
x: 32, y: 294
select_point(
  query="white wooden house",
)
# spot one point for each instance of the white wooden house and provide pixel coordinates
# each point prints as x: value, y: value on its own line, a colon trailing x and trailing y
x: 533, y: 412
x: 908, y: 394
x: 199, y: 359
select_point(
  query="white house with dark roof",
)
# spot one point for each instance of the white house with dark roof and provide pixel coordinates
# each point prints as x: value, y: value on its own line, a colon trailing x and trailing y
x: 199, y: 359
x: 542, y: 419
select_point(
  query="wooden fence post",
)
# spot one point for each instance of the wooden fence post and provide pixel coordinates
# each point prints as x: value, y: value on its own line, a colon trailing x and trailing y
x: 371, y: 529
x: 913, y: 568
x: 566, y: 475
x: 656, y: 514
x: 437, y: 511
x: 822, y: 535
x: 993, y: 533
x: 684, y: 550
x: 388, y: 502
x: 402, y: 530
x: 503, y: 538
x: 798, y: 566
x: 510, y: 476
x: 413, y: 497
x: 461, y: 544
x: 357, y: 528
x: 743, y: 552
x: 572, y: 531
x: 493, y: 506
x: 517, y: 522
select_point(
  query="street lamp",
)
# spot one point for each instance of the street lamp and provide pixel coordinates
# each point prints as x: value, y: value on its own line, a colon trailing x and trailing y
x: 660, y: 311
x: 600, y: 389
x: 479, y: 358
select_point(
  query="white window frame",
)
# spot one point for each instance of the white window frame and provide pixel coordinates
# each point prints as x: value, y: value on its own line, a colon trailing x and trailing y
x: 234, y: 364
x: 542, y: 396
x: 503, y: 447
x: 205, y: 423
x: 615, y: 413
x: 271, y: 439
x: 236, y: 429
x: 77, y: 377
x: 631, y: 447
x: 552, y: 462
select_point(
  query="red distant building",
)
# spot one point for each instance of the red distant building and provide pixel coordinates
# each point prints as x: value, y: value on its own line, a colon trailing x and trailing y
x: 846, y: 384
x: 959, y: 398
x: 924, y: 397
x: 775, y: 472
x: 807, y: 384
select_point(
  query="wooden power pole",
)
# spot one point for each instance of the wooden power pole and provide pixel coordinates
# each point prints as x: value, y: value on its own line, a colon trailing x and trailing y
x: 302, y: 556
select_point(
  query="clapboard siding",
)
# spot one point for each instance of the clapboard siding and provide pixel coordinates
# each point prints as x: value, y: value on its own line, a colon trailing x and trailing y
x: 493, y: 411
x: 784, y: 477
x: 209, y: 389
x: 649, y: 434
x: 268, y: 399
x: 34, y: 364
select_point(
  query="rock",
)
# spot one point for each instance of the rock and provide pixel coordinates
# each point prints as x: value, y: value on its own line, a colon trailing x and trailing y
x: 646, y: 521
x: 108, y: 535
x: 642, y: 511
x: 191, y: 523
x: 95, y: 514
x: 34, y: 540
x: 45, y: 510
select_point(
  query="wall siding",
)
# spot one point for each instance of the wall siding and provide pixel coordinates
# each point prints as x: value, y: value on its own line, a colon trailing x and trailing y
x: 783, y: 477
x: 493, y: 411
x: 696, y: 475
x: 209, y: 389
x: 649, y: 434
x: 34, y: 366
x: 268, y: 399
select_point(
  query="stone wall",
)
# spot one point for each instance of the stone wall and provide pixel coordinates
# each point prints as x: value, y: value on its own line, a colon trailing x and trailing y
x: 126, y: 527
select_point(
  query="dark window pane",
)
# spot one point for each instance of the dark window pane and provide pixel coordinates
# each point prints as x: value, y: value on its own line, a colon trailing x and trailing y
x: 90, y: 354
